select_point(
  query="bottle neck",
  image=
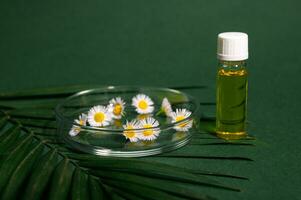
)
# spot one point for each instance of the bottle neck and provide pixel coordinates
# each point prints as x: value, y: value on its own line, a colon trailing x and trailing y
x: 232, y: 65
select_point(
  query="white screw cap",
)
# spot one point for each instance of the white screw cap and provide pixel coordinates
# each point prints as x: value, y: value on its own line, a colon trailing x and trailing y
x: 232, y: 46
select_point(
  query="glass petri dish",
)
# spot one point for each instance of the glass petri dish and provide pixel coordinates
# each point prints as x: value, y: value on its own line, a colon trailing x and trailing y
x: 110, y: 140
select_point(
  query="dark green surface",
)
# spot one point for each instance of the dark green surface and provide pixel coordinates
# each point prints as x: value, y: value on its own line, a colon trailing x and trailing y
x: 171, y: 43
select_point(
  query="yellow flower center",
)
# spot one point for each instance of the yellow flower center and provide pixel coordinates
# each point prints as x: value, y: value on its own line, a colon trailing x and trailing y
x: 81, y: 122
x: 117, y: 109
x: 179, y: 118
x: 118, y: 123
x: 142, y: 105
x: 130, y: 134
x: 99, y: 117
x: 148, y: 132
x: 179, y: 135
x: 142, y: 116
x: 77, y: 129
x: 164, y: 109
x: 148, y: 142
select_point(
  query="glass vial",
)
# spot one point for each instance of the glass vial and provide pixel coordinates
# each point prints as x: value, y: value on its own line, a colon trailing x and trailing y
x: 232, y: 84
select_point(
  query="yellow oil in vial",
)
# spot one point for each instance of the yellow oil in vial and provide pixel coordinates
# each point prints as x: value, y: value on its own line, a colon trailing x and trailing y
x: 232, y: 85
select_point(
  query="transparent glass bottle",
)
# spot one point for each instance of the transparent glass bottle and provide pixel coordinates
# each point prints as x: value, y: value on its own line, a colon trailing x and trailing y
x: 232, y: 84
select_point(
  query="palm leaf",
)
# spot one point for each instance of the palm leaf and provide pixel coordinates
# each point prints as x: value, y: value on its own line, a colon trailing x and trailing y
x: 96, y: 190
x: 171, y: 187
x: 34, y: 161
x: 41, y: 175
x: 19, y: 174
x: 79, y: 189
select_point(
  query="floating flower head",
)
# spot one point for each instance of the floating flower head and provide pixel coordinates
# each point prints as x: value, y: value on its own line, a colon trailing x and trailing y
x: 99, y: 116
x: 82, y: 120
x: 129, y: 131
x: 74, y: 131
x: 179, y: 115
x: 116, y: 107
x: 150, y: 132
x: 143, y: 104
x: 166, y: 107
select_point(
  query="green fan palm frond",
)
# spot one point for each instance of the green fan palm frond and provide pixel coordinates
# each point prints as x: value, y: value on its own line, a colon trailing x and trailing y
x: 35, y: 163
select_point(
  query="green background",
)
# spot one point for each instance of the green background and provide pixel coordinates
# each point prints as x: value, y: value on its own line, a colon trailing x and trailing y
x: 171, y: 43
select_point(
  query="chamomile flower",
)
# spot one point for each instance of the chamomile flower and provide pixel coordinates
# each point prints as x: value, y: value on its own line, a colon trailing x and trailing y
x: 74, y: 131
x: 116, y: 107
x: 179, y: 115
x: 99, y: 116
x: 166, y: 107
x: 143, y: 104
x: 82, y: 120
x: 150, y: 132
x: 129, y: 133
